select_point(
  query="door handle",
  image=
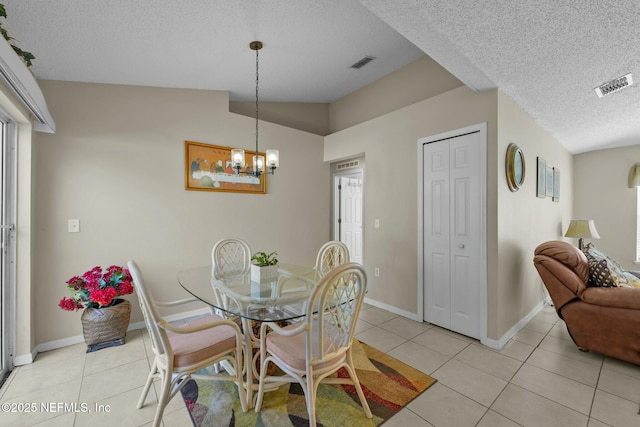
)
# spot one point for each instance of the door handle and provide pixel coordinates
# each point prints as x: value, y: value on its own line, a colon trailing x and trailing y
x: 461, y: 245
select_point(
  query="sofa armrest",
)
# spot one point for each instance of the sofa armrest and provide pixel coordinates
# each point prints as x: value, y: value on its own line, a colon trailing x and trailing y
x: 613, y: 297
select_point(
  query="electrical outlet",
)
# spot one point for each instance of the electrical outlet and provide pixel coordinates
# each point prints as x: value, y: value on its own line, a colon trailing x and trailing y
x: 376, y: 272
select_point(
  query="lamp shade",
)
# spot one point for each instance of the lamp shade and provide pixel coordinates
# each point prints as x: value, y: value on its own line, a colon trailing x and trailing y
x: 634, y: 176
x: 582, y: 228
x: 237, y: 157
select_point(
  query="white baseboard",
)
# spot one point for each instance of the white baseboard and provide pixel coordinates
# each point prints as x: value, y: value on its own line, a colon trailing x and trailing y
x: 392, y: 309
x: 498, y: 344
x: 495, y: 344
x: 25, y: 359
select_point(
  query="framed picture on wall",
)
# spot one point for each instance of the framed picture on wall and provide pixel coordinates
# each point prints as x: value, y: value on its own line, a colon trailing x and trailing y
x: 556, y: 185
x: 541, y: 186
x: 208, y: 168
x: 549, y: 181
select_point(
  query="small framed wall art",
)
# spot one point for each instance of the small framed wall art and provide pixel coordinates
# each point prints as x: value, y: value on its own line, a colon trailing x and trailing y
x: 549, y: 181
x: 541, y: 183
x: 556, y: 185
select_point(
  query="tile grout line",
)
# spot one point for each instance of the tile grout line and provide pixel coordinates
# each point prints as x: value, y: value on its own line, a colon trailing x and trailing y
x: 544, y: 397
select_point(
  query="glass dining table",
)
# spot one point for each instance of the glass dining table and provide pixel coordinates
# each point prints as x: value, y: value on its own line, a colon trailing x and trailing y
x: 236, y: 296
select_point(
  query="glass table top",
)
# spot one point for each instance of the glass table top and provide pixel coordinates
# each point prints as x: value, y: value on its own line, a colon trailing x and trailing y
x: 280, y: 298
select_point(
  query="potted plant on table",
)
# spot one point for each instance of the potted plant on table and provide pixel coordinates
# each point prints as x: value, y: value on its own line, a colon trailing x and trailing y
x: 105, y: 318
x: 264, y: 266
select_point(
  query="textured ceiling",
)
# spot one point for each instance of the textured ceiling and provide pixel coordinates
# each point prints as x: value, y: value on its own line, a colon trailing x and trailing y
x: 204, y: 44
x: 546, y: 55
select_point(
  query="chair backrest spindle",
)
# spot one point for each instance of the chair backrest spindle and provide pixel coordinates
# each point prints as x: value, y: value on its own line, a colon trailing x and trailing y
x: 231, y: 257
x: 332, y: 311
x: 331, y: 255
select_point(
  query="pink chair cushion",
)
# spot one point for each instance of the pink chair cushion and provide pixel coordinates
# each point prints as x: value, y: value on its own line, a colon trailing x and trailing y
x: 194, y: 347
x: 292, y: 350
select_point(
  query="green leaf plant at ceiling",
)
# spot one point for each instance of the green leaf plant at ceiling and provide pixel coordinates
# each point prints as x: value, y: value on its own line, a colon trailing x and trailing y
x: 23, y: 54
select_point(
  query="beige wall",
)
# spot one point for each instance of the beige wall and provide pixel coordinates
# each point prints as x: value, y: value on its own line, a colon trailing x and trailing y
x: 389, y: 145
x: 524, y: 220
x: 117, y: 163
x: 421, y: 79
x: 308, y: 117
x: 602, y: 194
x: 516, y: 222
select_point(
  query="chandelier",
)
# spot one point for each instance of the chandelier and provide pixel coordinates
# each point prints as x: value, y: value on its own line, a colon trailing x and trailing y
x: 237, y: 154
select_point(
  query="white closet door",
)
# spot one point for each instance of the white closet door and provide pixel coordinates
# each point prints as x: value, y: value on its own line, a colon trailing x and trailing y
x: 452, y: 226
x: 436, y: 229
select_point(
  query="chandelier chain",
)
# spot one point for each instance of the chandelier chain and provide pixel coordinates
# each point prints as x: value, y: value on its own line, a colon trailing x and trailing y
x: 270, y: 159
x: 257, y: 81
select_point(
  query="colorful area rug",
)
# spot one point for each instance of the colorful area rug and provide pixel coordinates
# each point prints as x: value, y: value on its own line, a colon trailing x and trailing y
x: 388, y: 384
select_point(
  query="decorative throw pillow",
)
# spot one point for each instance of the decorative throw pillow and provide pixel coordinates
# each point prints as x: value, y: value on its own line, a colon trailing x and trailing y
x: 632, y: 279
x: 600, y: 275
x: 603, y: 271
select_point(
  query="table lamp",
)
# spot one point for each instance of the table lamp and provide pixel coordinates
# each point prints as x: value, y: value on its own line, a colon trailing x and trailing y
x: 581, y: 228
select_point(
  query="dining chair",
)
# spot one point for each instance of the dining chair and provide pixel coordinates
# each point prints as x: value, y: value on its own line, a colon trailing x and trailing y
x: 181, y: 351
x: 231, y: 256
x: 309, y: 351
x: 331, y: 255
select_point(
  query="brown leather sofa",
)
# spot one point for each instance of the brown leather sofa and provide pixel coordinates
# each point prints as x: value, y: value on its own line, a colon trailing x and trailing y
x: 605, y: 320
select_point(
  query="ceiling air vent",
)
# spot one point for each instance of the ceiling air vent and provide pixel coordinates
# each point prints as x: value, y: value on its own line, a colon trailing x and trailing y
x: 348, y: 165
x: 614, y: 85
x: 364, y: 61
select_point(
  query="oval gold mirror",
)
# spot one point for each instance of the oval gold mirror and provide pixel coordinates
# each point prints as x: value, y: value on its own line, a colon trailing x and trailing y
x: 515, y: 167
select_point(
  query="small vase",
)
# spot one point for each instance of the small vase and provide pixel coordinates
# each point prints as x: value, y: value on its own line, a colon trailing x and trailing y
x: 106, y: 326
x: 264, y: 274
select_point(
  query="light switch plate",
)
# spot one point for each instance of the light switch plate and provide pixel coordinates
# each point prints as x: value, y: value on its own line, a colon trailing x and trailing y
x: 74, y: 226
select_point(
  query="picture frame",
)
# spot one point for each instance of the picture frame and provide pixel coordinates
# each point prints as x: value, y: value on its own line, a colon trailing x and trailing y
x: 549, y: 181
x: 541, y: 186
x: 208, y: 168
x: 556, y: 185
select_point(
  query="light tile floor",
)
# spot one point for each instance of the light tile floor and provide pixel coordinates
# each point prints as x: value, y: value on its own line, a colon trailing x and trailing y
x: 538, y: 379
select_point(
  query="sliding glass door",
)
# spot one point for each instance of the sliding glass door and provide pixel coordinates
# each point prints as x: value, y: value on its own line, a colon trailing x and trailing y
x: 7, y: 244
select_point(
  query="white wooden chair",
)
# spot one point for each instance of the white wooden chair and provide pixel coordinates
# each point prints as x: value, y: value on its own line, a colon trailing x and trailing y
x: 311, y: 350
x: 331, y: 255
x: 231, y: 256
x: 180, y: 351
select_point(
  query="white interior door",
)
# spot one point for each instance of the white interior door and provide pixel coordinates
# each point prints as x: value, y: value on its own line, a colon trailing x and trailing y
x: 452, y: 233
x: 349, y: 218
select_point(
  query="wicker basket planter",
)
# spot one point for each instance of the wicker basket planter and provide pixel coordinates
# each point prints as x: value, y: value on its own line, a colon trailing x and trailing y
x: 106, y: 326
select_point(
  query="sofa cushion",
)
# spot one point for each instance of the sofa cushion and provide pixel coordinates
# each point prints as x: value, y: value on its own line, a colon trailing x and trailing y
x: 628, y: 298
x: 603, y: 271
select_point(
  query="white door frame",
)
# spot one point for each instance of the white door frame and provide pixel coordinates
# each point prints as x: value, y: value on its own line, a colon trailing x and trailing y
x: 482, y: 128
x: 8, y: 258
x: 336, y: 203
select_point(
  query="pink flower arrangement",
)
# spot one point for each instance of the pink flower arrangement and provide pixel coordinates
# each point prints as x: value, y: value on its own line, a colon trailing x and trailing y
x: 96, y: 289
